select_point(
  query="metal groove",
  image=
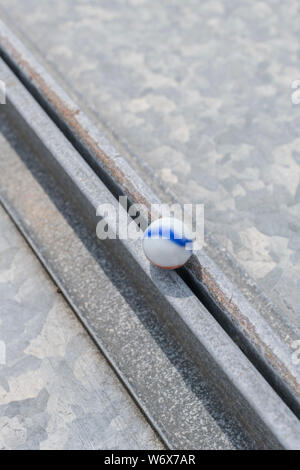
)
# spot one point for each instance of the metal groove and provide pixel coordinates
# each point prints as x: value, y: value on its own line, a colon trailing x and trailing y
x: 243, y: 389
x: 85, y: 323
x: 19, y: 225
x: 21, y: 219
x: 235, y: 314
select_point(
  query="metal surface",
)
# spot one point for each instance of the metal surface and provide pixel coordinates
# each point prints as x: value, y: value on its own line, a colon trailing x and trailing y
x: 57, y: 391
x: 264, y: 336
x: 240, y: 385
x: 200, y: 92
x: 179, y: 401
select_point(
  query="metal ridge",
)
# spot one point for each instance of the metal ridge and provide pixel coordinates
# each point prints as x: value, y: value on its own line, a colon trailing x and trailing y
x: 240, y: 319
x: 242, y: 387
x: 237, y: 316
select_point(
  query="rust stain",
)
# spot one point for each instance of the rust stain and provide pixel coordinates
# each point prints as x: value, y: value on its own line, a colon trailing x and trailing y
x: 236, y: 315
x: 69, y: 116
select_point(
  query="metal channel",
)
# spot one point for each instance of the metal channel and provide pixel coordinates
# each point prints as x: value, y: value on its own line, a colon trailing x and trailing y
x: 154, y: 369
x: 242, y: 321
x: 246, y: 393
x: 151, y: 365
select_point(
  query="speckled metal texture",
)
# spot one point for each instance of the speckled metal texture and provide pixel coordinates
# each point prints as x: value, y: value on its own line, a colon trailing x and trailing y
x: 239, y: 384
x: 57, y: 391
x: 201, y: 92
x: 251, y: 324
x: 178, y: 400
